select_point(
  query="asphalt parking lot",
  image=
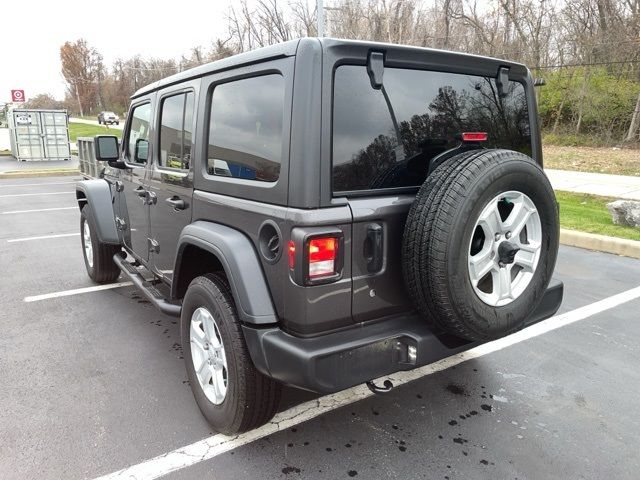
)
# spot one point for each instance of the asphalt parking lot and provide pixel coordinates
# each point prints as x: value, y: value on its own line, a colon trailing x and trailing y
x: 93, y: 382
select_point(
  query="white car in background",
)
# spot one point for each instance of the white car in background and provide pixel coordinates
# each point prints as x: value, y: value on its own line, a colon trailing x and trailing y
x: 108, y: 118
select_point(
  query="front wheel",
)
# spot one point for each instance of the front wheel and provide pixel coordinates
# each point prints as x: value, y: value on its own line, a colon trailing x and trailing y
x: 98, y: 256
x: 231, y: 394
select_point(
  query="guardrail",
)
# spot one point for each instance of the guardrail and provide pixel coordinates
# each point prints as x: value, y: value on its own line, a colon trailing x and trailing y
x: 89, y: 166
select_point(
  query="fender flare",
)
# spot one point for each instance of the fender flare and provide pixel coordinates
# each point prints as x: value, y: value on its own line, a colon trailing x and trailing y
x: 241, y: 264
x: 96, y: 195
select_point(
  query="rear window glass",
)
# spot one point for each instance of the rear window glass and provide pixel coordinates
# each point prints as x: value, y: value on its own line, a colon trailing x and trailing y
x: 245, y: 129
x: 430, y: 108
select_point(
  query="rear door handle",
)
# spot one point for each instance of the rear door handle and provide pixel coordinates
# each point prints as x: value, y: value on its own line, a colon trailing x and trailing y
x: 141, y: 191
x: 373, y: 247
x: 176, y: 202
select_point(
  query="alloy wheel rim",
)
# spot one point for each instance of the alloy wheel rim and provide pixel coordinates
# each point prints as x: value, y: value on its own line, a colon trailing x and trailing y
x: 504, y: 249
x: 208, y: 356
x: 88, y: 246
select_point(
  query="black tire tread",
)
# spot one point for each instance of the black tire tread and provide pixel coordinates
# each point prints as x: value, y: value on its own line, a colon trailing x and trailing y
x: 259, y: 393
x: 418, y: 234
x: 427, y: 231
x: 104, y: 269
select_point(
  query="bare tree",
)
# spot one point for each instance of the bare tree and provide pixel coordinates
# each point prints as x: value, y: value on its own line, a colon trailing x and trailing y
x: 81, y: 65
x: 574, y: 40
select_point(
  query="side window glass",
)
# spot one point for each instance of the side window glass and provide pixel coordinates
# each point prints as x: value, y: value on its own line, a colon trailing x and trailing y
x: 176, y: 123
x: 138, y: 136
x: 245, y: 129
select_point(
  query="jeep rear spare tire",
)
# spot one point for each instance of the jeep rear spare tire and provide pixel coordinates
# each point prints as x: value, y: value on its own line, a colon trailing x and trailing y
x: 480, y: 243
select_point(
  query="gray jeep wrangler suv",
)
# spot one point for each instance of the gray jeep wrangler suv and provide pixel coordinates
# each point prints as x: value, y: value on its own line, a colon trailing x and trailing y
x: 321, y: 213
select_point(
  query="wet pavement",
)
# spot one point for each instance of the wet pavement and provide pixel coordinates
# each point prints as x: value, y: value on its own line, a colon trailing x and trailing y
x: 94, y: 382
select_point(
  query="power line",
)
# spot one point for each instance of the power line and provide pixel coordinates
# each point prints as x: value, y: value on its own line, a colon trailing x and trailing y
x: 594, y: 64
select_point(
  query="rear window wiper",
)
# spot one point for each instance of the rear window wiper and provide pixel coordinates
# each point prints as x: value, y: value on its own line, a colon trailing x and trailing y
x: 375, y: 69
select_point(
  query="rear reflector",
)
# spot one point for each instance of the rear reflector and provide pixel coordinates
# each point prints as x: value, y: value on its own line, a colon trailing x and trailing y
x: 291, y: 249
x: 322, y: 257
x: 475, y: 137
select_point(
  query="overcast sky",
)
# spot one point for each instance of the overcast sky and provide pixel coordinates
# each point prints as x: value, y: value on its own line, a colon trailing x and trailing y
x: 33, y: 32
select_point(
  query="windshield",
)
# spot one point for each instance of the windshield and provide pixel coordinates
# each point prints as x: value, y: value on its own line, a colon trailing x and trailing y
x: 371, y: 151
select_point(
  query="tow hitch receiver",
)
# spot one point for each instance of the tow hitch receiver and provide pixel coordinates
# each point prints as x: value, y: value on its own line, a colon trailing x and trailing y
x: 380, y: 390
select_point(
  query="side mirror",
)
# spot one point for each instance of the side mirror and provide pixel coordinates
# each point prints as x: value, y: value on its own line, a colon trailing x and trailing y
x: 106, y: 148
x: 141, y: 153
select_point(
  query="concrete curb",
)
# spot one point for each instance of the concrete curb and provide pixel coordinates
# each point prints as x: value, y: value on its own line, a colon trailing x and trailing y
x: 40, y: 173
x: 601, y: 243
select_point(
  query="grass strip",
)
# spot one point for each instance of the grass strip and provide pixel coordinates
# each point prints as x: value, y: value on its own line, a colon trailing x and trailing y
x: 588, y: 213
x: 87, y: 130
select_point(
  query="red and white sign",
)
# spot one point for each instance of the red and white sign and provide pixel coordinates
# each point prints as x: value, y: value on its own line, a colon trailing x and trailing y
x: 17, y: 96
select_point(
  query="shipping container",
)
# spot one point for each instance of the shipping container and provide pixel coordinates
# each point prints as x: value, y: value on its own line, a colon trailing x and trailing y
x: 39, y: 134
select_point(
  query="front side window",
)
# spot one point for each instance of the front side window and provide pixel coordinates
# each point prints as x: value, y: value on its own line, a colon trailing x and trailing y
x: 431, y: 109
x: 176, y: 119
x: 138, y: 136
x: 245, y: 129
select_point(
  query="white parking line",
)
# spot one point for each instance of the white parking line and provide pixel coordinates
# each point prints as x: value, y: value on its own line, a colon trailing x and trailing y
x: 36, y: 184
x: 34, y: 194
x: 215, y: 445
x: 43, y: 237
x: 77, y: 291
x: 38, y: 210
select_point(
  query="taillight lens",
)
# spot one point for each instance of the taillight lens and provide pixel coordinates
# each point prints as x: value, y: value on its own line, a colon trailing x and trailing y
x: 475, y: 136
x: 323, y: 252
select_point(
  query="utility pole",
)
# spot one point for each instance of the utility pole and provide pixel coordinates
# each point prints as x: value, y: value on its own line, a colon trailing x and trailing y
x: 79, y: 102
x: 320, y: 14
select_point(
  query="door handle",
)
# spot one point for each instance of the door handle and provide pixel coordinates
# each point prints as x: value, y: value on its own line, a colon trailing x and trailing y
x: 176, y: 202
x: 141, y: 191
x: 373, y: 247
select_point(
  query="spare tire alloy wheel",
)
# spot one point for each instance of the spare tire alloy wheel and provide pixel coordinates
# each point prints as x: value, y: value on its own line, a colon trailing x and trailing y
x: 505, y: 248
x: 481, y: 242
x: 208, y: 356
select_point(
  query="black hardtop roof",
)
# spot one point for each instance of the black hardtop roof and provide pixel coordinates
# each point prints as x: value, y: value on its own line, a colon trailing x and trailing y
x: 287, y: 49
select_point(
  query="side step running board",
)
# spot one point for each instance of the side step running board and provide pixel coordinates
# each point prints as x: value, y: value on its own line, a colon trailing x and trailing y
x: 147, y: 288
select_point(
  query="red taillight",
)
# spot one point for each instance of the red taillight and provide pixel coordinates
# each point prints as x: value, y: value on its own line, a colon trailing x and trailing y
x: 475, y: 137
x: 322, y: 257
x: 291, y: 249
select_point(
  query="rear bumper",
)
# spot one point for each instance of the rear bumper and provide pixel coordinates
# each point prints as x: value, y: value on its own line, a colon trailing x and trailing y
x: 340, y: 360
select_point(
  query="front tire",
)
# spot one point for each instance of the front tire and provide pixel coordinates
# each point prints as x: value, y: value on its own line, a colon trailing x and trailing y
x: 231, y: 394
x: 98, y: 256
